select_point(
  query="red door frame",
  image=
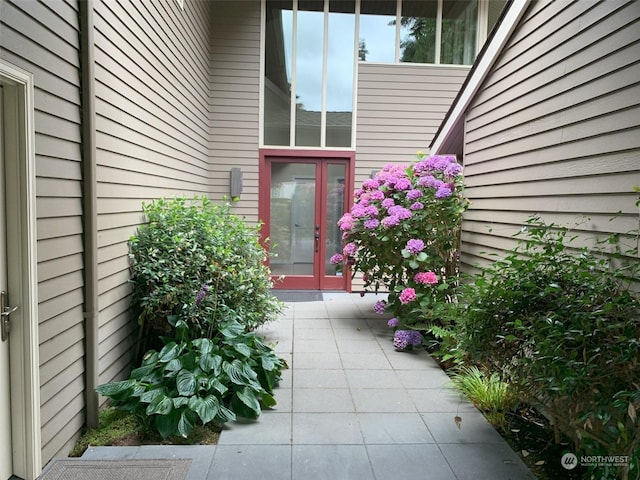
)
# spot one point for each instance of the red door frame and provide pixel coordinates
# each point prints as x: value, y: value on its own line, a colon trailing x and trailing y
x: 264, y: 197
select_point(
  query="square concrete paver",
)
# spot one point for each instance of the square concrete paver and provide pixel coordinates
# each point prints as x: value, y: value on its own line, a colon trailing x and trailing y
x: 322, y: 400
x: 271, y: 428
x: 334, y: 462
x: 263, y: 462
x: 393, y: 428
x: 396, y: 462
x: 326, y: 428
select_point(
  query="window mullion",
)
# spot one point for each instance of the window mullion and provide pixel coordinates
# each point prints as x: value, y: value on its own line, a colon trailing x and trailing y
x: 398, y: 29
x: 294, y: 61
x: 325, y: 48
x: 439, y: 31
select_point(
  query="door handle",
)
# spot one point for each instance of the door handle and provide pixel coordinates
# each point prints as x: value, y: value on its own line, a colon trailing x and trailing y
x: 5, y: 311
x: 317, y: 237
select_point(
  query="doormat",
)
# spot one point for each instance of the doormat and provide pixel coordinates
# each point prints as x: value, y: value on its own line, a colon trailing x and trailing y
x: 64, y: 469
x: 293, y: 296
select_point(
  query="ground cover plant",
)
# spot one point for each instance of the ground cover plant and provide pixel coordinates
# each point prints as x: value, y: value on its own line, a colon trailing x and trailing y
x: 200, y: 289
x: 402, y: 234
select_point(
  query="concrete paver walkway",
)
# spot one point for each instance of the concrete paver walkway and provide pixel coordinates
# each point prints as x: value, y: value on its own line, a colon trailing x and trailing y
x: 349, y: 407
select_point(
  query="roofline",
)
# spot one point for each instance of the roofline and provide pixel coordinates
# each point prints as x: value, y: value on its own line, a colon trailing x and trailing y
x: 498, y: 38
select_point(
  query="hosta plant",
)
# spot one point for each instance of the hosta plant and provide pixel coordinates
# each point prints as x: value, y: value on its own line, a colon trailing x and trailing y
x: 198, y: 381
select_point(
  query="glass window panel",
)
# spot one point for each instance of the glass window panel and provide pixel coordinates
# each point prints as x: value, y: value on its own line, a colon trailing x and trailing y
x: 459, y: 18
x: 495, y: 9
x: 334, y: 210
x: 418, y: 32
x: 277, y: 85
x: 292, y: 228
x: 377, y: 31
x: 340, y: 65
x: 309, y: 38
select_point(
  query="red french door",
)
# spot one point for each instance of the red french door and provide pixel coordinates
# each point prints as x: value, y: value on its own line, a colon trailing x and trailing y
x: 305, y: 198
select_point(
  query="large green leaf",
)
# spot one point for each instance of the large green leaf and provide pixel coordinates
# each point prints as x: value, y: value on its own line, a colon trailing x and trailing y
x: 167, y: 425
x: 151, y: 395
x: 181, y: 401
x: 242, y: 349
x: 186, y: 383
x: 207, y: 408
x: 141, y: 372
x: 174, y: 365
x: 234, y: 372
x: 232, y: 329
x: 225, y: 415
x: 245, y: 403
x: 114, y: 388
x: 186, y: 422
x: 204, y: 345
x: 169, y: 352
x: 161, y: 405
x: 267, y: 401
x: 216, y: 384
x: 210, y: 362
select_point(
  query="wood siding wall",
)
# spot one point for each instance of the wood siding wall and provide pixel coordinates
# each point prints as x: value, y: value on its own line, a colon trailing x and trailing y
x: 555, y: 128
x: 152, y: 137
x: 43, y: 39
x: 399, y: 109
x: 235, y: 101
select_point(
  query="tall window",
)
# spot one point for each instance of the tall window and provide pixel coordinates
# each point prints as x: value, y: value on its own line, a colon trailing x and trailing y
x: 316, y: 42
x: 312, y: 47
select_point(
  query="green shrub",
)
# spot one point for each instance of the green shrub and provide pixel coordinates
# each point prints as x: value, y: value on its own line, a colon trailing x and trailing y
x: 190, y: 245
x: 566, y: 333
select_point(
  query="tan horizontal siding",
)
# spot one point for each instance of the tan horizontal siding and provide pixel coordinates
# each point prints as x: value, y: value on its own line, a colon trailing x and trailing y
x: 399, y: 109
x: 42, y: 38
x: 235, y: 94
x: 555, y: 129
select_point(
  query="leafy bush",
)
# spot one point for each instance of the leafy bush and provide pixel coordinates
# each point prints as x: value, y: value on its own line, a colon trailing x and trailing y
x: 566, y: 333
x: 403, y: 233
x: 191, y: 382
x: 193, y: 245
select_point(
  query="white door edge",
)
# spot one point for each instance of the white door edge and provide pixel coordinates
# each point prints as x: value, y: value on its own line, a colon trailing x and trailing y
x: 22, y: 268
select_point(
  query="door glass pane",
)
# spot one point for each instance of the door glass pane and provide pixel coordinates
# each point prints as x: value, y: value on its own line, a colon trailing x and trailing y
x: 277, y: 72
x: 459, y: 18
x: 309, y: 45
x: 292, y: 224
x: 418, y: 32
x: 334, y: 210
x: 340, y: 65
x: 377, y: 31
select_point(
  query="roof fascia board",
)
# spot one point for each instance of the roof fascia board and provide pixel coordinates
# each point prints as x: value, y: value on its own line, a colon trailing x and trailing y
x: 478, y: 74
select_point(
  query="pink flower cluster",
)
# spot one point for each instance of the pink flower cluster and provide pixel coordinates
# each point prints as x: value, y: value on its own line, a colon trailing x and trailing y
x: 407, y: 295
x: 425, y: 278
